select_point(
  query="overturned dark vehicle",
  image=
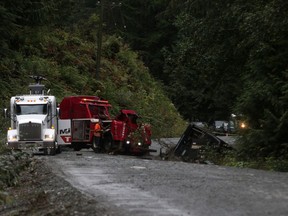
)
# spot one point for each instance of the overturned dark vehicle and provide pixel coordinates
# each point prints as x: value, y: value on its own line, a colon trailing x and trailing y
x: 196, y: 143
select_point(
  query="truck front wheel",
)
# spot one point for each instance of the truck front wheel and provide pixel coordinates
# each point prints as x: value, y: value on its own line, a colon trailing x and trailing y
x: 58, y: 150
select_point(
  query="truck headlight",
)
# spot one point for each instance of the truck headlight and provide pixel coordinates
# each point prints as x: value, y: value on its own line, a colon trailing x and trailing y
x: 49, y: 136
x: 12, y: 137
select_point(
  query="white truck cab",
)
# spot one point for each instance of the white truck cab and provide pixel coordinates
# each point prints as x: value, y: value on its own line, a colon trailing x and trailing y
x: 33, y: 120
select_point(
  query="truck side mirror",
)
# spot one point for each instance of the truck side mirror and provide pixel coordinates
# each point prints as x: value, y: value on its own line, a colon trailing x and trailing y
x: 5, y: 113
x: 58, y: 111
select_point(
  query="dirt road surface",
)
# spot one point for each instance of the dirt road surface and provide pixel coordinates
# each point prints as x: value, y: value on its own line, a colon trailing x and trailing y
x: 134, y: 186
x: 85, y: 183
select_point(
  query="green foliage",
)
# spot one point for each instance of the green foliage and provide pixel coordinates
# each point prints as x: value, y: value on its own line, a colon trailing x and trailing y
x: 8, y: 27
x: 276, y: 164
x: 265, y: 80
x: 147, y: 31
x: 234, y: 159
x: 134, y: 88
x: 202, y: 65
x: 271, y: 164
x: 11, y: 166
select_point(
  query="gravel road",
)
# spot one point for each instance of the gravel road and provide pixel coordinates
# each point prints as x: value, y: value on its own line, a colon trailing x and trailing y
x: 125, y: 185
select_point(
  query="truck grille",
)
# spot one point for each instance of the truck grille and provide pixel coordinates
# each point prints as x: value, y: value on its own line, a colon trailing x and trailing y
x: 30, y: 131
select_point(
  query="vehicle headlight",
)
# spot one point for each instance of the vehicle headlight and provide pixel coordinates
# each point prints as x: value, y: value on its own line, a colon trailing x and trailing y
x: 49, y: 136
x: 139, y: 143
x: 243, y: 125
x: 12, y: 137
x: 127, y: 142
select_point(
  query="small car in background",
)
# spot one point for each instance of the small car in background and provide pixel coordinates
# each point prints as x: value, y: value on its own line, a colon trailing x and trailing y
x: 223, y: 126
x: 200, y: 124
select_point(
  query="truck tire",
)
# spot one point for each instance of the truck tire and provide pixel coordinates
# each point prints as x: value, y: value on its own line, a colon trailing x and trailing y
x: 108, y: 143
x: 76, y: 146
x: 52, y: 151
x: 58, y: 150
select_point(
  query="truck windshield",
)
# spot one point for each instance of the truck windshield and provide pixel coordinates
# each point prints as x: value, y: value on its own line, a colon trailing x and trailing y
x: 31, y: 109
x: 98, y: 111
x: 93, y: 110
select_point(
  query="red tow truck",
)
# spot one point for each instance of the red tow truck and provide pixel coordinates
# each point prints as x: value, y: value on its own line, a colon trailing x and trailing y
x: 122, y: 134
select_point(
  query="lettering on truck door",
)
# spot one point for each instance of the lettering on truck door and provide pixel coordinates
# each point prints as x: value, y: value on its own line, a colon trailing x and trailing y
x: 64, y: 132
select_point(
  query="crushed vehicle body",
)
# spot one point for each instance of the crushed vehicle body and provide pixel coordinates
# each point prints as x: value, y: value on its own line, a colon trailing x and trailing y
x: 194, y: 141
x: 129, y: 135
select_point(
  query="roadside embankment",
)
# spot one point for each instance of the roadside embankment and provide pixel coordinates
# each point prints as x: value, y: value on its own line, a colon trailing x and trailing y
x: 29, y: 187
x: 11, y: 165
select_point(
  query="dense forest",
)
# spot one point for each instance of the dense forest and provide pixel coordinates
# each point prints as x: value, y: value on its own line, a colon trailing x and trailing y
x: 202, y: 59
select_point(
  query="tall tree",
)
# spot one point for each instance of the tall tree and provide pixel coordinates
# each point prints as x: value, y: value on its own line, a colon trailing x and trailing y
x: 264, y: 101
x: 203, y: 65
x: 148, y: 30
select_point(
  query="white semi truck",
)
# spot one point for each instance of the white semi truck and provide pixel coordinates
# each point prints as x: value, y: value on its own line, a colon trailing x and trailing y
x: 33, y: 120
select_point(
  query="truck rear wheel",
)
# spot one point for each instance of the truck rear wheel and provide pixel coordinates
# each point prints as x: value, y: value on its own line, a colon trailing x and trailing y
x: 108, y: 143
x: 76, y: 146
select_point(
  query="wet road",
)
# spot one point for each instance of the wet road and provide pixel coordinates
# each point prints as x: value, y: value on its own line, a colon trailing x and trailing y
x: 134, y: 186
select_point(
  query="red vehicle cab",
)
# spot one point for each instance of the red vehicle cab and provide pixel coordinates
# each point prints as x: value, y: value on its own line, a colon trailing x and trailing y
x: 132, y: 137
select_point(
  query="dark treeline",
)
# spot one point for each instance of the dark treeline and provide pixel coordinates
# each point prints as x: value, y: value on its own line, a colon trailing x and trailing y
x: 214, y: 58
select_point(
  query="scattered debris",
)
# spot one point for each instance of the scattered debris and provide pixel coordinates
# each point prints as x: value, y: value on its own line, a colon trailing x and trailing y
x: 193, y: 145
